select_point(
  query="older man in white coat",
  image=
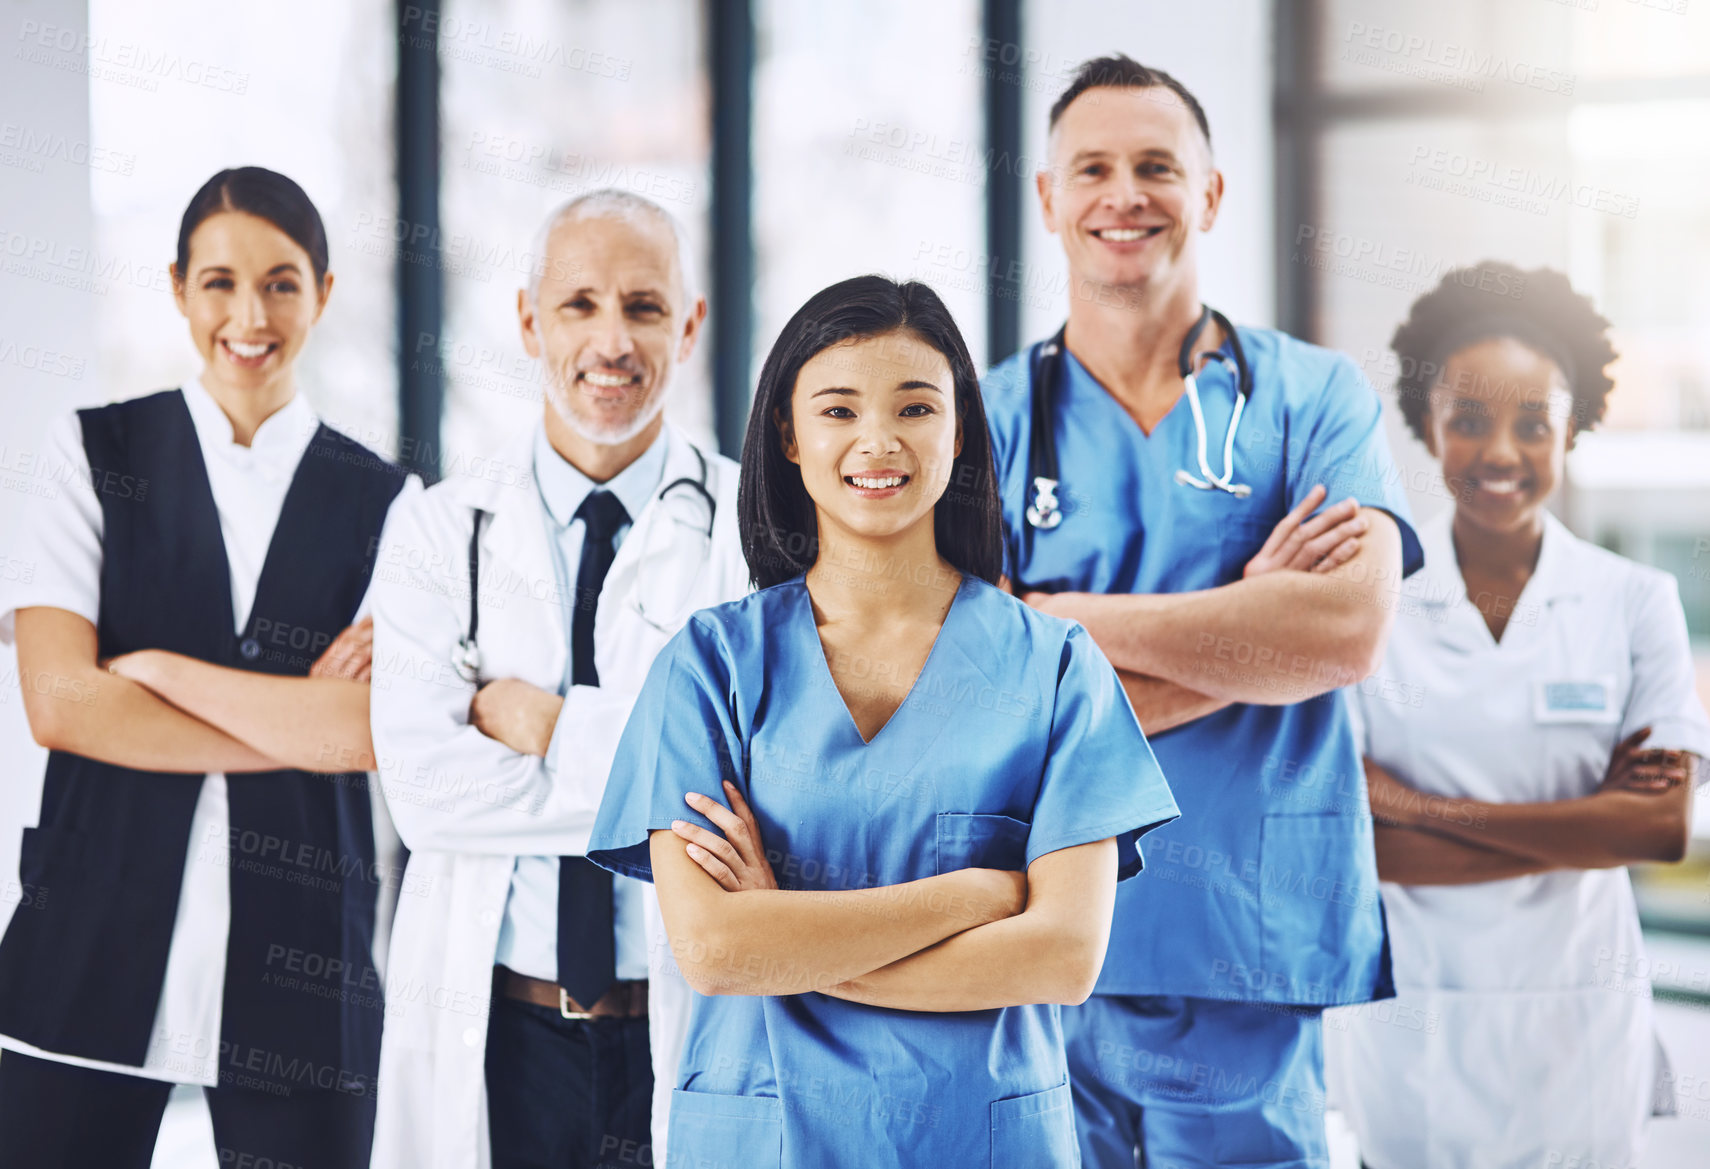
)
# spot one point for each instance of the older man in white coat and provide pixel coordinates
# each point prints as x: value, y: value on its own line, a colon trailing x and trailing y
x: 517, y: 609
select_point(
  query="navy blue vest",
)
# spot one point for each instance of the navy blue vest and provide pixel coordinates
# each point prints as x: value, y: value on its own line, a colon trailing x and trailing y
x: 83, y: 963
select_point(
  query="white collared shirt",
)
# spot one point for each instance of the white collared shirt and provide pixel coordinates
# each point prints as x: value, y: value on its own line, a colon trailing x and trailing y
x: 528, y: 933
x: 62, y: 536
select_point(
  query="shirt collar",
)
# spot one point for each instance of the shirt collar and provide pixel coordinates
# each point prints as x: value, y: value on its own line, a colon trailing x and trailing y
x: 1078, y: 375
x: 563, y: 487
x: 1555, y: 574
x: 1440, y: 581
x: 283, y: 436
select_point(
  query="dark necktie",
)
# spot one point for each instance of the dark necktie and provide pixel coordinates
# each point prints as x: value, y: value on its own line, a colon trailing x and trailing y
x: 587, y: 951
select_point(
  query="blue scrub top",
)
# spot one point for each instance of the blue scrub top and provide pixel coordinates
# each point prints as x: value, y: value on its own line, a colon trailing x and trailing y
x: 1265, y: 890
x: 1015, y: 741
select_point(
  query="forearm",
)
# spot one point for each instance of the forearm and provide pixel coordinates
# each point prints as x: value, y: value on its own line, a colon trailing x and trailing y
x: 1051, y: 952
x: 452, y: 788
x: 1276, y: 638
x: 1279, y: 638
x: 1605, y: 830
x: 126, y: 724
x: 1409, y: 857
x: 315, y: 724
x: 1161, y: 705
x: 1022, y: 959
x: 780, y: 941
x: 75, y: 705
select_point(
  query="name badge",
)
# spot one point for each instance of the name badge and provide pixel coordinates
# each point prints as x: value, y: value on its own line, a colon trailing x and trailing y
x: 1575, y: 700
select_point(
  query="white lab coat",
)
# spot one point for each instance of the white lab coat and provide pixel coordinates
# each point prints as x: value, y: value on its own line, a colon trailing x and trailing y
x: 1522, y: 1028
x: 467, y: 805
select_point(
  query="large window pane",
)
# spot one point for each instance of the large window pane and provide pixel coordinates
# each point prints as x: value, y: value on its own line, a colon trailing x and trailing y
x: 1496, y: 50
x: 541, y: 101
x: 868, y: 154
x: 179, y: 93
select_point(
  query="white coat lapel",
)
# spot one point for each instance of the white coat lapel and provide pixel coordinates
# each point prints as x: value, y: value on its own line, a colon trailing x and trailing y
x: 523, y: 630
x: 619, y: 630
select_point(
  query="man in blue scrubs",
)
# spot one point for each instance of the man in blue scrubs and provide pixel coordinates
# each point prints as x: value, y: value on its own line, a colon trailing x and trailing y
x: 1202, y: 1044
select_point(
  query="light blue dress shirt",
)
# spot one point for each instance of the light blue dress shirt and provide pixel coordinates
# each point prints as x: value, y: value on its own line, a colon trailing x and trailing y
x: 528, y: 935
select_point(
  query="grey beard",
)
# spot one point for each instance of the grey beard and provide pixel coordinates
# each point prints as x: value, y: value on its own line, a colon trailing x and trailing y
x: 557, y: 398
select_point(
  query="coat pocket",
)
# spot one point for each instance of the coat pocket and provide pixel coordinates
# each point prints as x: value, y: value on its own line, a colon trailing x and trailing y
x: 711, y: 1130
x: 969, y: 840
x: 1035, y: 1132
x: 65, y: 856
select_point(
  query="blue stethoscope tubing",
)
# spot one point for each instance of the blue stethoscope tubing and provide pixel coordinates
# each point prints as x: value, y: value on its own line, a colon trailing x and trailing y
x: 1045, y: 512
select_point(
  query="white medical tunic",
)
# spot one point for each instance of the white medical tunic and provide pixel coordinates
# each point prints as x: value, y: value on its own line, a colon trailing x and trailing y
x: 1519, y: 1032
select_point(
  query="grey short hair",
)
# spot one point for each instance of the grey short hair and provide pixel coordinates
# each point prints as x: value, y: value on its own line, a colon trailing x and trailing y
x: 610, y: 203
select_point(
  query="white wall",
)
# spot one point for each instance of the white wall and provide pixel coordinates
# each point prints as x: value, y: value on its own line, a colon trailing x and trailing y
x: 1222, y: 51
x: 48, y: 351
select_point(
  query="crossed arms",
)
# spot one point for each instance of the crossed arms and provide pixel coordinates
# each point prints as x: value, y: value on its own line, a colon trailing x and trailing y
x: 1642, y: 811
x: 160, y: 711
x: 1309, y: 615
x: 969, y: 940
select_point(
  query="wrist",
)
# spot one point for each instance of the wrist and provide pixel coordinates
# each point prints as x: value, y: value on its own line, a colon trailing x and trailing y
x: 1001, y: 894
x: 145, y: 667
x: 545, y: 723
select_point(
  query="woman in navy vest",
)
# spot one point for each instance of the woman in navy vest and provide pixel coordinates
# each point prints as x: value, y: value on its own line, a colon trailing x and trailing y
x: 201, y: 883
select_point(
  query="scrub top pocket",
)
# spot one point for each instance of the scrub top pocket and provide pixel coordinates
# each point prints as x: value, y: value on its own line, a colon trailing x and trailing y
x: 978, y: 841
x: 712, y: 1130
x: 1034, y: 1132
x: 1309, y: 911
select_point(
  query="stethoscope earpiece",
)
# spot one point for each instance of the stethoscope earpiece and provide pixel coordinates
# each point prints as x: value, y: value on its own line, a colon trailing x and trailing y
x: 466, y: 658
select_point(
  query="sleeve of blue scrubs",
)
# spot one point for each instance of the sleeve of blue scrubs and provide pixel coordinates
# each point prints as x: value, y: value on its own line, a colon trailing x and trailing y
x: 1346, y: 450
x: 1100, y: 778
x: 680, y: 738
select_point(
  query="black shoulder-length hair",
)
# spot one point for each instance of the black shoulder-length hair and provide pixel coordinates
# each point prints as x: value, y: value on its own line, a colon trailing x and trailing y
x: 780, y: 532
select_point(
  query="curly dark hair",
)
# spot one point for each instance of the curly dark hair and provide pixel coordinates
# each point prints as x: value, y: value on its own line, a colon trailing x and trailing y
x: 1537, y: 306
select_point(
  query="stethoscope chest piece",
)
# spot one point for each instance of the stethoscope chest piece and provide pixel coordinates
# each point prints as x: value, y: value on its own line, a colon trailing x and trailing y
x: 1044, y: 511
x: 466, y: 659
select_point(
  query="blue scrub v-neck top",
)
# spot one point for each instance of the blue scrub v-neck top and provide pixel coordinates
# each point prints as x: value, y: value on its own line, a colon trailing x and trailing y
x: 1016, y: 740
x: 1266, y: 889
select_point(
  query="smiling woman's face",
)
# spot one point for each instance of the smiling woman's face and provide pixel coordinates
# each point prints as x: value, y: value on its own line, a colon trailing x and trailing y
x: 1501, y: 422
x: 250, y: 296
x: 874, y: 429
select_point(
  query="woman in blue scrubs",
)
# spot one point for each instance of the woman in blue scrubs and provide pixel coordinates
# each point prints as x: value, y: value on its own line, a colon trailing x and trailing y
x: 947, y: 783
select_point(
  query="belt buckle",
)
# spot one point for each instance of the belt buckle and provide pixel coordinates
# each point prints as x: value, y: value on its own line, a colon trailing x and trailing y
x: 564, y: 1007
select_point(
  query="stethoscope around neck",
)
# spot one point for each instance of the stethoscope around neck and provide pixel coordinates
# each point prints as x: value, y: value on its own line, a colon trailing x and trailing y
x: 1045, y: 511
x: 466, y: 656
